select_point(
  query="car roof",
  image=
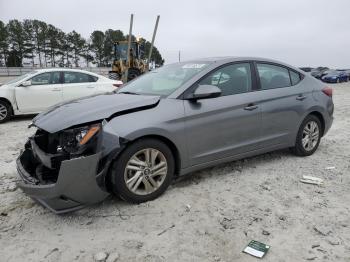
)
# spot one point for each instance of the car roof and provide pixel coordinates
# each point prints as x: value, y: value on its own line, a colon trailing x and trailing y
x: 55, y: 69
x: 229, y: 59
x: 234, y: 59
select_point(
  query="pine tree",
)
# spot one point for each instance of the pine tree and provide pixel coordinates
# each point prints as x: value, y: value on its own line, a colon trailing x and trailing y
x: 3, y: 43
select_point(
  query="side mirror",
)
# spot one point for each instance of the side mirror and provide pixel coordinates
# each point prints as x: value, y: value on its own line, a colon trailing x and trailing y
x: 26, y: 83
x: 204, y: 92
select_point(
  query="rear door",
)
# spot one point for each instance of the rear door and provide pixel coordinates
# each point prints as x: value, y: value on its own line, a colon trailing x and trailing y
x: 77, y: 84
x: 228, y: 125
x: 283, y: 101
x: 45, y: 91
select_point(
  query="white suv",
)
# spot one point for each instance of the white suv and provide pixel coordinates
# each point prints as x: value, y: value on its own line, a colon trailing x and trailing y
x: 38, y: 90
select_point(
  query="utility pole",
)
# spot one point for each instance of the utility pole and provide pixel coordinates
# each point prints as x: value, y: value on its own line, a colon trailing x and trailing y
x: 179, y: 55
x: 129, y: 47
x: 152, y: 43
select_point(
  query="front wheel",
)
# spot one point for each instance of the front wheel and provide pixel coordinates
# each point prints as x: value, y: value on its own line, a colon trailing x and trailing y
x: 5, y: 111
x: 143, y: 171
x: 309, y: 136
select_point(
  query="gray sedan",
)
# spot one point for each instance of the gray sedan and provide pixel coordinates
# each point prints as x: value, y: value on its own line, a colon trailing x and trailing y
x: 169, y: 122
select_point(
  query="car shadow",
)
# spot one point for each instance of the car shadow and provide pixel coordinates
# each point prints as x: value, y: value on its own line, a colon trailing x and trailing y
x: 22, y: 118
x: 113, y: 206
x: 236, y: 166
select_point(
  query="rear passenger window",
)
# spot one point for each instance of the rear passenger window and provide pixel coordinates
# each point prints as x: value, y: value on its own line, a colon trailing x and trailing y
x: 93, y: 78
x: 272, y: 76
x: 294, y: 77
x: 76, y: 77
x: 231, y: 79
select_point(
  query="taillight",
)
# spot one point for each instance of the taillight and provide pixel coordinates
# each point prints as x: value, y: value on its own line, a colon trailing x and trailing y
x: 328, y: 91
x: 117, y: 85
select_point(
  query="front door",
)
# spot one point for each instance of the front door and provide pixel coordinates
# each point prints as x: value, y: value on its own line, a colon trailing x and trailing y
x: 45, y: 91
x: 228, y: 125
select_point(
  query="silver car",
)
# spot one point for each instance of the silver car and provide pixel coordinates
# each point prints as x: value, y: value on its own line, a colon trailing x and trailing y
x: 172, y: 121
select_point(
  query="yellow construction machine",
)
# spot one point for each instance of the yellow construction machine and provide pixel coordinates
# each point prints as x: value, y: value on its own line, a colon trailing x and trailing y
x: 129, y: 60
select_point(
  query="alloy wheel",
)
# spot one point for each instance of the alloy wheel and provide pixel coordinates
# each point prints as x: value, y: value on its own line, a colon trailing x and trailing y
x: 310, y: 136
x: 145, y: 171
x: 3, y: 112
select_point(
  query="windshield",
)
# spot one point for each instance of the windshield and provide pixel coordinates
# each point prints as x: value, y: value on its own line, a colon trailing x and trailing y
x: 122, y: 50
x: 19, y: 78
x: 164, y: 80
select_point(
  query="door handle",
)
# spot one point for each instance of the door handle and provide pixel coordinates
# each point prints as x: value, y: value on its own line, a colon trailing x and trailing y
x: 300, y: 97
x: 251, y: 107
x: 90, y: 87
x: 56, y: 89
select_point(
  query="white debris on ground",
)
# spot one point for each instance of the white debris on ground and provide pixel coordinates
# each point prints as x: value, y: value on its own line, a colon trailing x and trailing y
x: 209, y: 216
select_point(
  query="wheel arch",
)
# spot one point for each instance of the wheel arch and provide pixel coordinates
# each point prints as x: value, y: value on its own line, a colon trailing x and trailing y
x: 8, y: 102
x: 321, y: 118
x: 170, y: 144
x: 175, y: 151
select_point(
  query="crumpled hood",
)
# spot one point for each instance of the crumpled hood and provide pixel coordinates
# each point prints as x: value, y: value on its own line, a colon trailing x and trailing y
x: 91, y: 109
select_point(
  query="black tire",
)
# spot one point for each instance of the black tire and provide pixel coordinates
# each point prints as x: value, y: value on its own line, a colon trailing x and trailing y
x: 113, y: 75
x: 118, y: 182
x: 6, y: 111
x: 133, y: 73
x: 299, y: 149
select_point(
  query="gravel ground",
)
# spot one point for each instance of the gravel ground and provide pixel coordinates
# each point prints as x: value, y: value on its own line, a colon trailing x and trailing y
x: 208, y: 216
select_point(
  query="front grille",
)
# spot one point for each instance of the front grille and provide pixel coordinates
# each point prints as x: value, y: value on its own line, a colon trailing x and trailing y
x: 46, y: 141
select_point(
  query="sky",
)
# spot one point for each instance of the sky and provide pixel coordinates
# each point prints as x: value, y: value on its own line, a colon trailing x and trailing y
x: 298, y: 32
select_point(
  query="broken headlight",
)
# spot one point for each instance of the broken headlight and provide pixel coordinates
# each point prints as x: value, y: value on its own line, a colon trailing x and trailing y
x: 78, y: 140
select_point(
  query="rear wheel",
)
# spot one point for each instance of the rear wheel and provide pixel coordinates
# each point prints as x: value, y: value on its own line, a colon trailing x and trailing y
x: 143, y: 171
x: 113, y: 75
x: 5, y: 111
x: 309, y: 136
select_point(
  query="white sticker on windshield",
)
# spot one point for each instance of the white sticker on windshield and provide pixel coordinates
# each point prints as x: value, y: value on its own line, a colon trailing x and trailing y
x: 193, y: 65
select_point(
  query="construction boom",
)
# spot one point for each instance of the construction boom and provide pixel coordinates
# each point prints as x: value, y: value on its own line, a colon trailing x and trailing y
x: 128, y: 56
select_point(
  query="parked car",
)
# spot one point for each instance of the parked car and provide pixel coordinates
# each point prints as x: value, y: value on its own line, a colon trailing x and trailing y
x: 306, y: 69
x: 169, y: 122
x: 334, y: 76
x: 319, y: 72
x: 346, y: 71
x: 38, y: 90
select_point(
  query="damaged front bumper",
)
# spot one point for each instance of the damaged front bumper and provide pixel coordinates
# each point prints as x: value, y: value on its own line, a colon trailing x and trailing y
x: 73, y: 186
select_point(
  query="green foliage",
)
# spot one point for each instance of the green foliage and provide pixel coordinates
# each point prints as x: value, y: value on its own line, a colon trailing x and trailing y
x: 97, y: 47
x: 111, y: 36
x: 38, y: 43
x: 3, y: 43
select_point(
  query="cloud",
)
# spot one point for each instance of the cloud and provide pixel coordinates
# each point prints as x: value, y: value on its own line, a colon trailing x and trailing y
x: 298, y: 32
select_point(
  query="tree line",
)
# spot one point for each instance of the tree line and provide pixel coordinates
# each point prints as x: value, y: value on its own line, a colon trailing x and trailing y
x: 40, y: 44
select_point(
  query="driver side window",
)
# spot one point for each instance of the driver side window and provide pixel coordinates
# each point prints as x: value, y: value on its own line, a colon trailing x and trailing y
x: 48, y: 78
x: 231, y: 79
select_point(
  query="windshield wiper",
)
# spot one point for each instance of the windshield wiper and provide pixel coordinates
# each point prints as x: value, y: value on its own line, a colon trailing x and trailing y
x: 128, y: 93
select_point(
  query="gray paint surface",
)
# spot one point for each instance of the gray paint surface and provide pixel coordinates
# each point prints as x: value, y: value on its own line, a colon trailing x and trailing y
x: 203, y: 132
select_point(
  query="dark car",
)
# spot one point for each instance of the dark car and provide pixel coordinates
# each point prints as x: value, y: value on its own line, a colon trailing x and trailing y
x: 171, y: 121
x: 319, y: 72
x: 306, y: 69
x: 335, y: 76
